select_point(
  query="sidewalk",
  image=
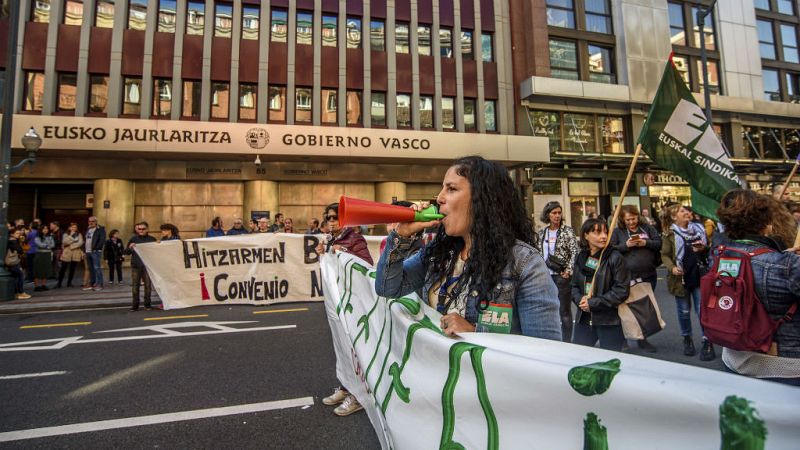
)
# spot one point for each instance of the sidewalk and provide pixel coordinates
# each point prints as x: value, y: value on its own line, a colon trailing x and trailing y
x: 73, y: 298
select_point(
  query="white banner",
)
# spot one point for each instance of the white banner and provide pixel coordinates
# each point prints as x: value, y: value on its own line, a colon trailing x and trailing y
x: 258, y: 269
x: 424, y: 390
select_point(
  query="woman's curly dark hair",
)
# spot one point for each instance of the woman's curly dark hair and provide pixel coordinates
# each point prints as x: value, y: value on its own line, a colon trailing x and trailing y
x: 499, y: 219
x: 744, y: 212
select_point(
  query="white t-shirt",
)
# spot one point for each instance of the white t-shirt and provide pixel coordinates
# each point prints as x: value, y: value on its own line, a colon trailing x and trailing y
x: 89, y: 234
x: 549, y: 246
x: 459, y: 305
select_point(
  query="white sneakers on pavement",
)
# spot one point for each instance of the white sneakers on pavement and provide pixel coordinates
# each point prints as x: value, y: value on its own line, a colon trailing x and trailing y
x: 348, y: 406
x: 338, y: 396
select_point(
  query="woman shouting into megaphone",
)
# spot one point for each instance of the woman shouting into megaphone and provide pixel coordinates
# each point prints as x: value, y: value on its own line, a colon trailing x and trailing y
x: 480, y: 271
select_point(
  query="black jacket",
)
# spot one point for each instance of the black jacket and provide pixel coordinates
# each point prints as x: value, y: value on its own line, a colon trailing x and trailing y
x: 135, y: 260
x: 113, y: 251
x: 98, y: 238
x: 612, y: 287
x: 641, y: 261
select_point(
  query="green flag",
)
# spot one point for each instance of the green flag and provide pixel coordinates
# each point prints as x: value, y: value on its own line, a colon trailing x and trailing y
x: 678, y: 137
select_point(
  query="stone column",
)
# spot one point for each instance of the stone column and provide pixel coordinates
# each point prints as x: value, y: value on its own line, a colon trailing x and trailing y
x: 119, y: 214
x: 260, y: 195
x: 385, y: 191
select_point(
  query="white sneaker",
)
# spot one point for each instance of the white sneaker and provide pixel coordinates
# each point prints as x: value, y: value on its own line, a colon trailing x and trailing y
x: 338, y: 396
x: 22, y: 296
x: 348, y: 406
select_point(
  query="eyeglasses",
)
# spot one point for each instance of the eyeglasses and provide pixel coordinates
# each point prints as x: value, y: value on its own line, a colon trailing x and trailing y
x: 329, y: 218
x: 141, y: 229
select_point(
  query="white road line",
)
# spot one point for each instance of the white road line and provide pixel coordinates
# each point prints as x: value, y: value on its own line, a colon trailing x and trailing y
x: 154, y: 419
x: 32, y: 375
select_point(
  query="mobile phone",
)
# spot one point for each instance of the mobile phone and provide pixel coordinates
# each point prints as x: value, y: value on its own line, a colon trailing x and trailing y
x: 697, y: 244
x: 635, y: 237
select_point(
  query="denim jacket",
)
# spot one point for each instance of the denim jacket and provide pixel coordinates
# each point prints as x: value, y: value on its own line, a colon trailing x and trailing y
x: 526, y: 285
x: 777, y: 282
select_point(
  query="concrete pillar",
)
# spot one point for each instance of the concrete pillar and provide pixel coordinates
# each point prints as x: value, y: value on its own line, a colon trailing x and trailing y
x: 260, y: 195
x: 385, y: 191
x: 119, y: 214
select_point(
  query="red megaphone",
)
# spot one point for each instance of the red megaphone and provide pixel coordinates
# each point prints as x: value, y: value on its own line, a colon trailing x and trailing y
x: 353, y: 211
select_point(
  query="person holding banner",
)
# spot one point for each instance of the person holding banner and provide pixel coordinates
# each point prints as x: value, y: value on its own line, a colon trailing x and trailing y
x: 481, y: 271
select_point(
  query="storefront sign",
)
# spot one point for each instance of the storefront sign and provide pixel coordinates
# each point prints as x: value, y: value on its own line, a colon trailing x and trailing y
x: 650, y: 179
x: 213, y: 171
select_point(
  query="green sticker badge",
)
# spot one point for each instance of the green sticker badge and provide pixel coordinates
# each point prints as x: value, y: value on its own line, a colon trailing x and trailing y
x: 730, y: 266
x: 593, y: 379
x: 592, y: 263
x: 496, y: 318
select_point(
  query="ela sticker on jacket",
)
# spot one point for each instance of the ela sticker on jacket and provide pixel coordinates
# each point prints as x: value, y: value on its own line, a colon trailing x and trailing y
x: 592, y: 263
x: 496, y: 318
x: 730, y: 266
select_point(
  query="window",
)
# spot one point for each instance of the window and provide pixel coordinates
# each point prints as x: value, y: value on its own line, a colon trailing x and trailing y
x: 191, y: 99
x: 73, y: 12
x: 378, y: 109
x: 579, y: 133
x: 766, y: 40
x: 612, y: 134
x: 403, y: 111
x: 425, y: 111
x: 305, y: 28
x: 561, y: 13
x: 448, y: 113
x: 33, y: 90
x: 600, y: 65
x: 162, y: 97
x: 789, y: 43
x: 708, y: 27
x: 598, y: 16
x: 67, y: 88
x: 469, y: 114
x: 248, y: 101
x: 487, y: 47
x: 303, y: 105
x: 489, y: 116
x: 277, y: 104
x: 353, y: 107
x: 377, y: 36
x: 104, y: 14
x: 132, y: 97
x: 713, y: 76
x: 682, y: 64
x: 446, y: 42
x: 770, y: 143
x: 793, y: 87
x: 279, y: 25
x: 547, y: 124
x: 686, y: 41
x: 167, y: 12
x: 778, y: 42
x: 331, y: 102
x: 772, y: 85
x: 466, y: 45
x: 329, y: 31
x: 588, y: 15
x: 762, y: 4
x: 220, y: 100
x: 424, y: 40
x: 353, y: 32
x: 563, y: 59
x: 250, y: 22
x: 195, y: 17
x: 137, y: 15
x: 40, y: 11
x: 98, y: 94
x: 223, y: 20
x: 677, y: 27
x: 785, y: 7
x: 401, y: 37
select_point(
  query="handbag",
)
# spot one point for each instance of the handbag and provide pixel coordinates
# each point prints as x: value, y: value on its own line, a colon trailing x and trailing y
x: 12, y: 258
x: 639, y: 313
x: 555, y: 263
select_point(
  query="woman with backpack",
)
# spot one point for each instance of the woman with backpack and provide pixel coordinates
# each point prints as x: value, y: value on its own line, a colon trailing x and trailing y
x: 760, y: 224
x: 685, y: 255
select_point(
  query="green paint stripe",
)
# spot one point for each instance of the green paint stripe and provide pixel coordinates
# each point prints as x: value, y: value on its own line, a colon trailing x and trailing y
x: 476, y: 355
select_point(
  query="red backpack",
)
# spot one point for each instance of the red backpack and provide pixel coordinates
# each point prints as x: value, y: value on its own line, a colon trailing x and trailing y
x: 731, y: 313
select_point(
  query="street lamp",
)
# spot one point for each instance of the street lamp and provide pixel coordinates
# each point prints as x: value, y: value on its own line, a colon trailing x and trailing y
x: 31, y: 141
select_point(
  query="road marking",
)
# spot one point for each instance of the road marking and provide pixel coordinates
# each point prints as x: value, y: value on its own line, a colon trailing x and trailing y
x: 103, y: 425
x: 131, y: 372
x: 32, y: 375
x: 176, y: 317
x: 52, y: 325
x: 279, y: 310
x: 51, y: 311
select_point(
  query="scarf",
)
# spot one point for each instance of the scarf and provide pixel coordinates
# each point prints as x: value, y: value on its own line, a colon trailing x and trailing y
x: 693, y: 232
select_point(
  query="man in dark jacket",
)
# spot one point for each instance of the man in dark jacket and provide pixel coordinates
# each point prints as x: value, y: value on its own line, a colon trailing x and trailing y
x: 238, y: 228
x: 95, y: 240
x: 278, y: 225
x: 138, y: 271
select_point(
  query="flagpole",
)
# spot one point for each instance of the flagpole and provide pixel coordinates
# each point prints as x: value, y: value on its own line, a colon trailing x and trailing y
x: 615, y: 217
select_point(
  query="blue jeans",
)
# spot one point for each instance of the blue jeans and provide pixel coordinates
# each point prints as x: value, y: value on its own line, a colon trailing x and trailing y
x: 682, y: 304
x: 96, y: 272
x: 19, y: 278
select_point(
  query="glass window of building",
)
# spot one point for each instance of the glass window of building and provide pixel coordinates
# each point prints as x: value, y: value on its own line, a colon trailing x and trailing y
x: 40, y: 11
x: 598, y: 16
x: 766, y: 40
x: 248, y: 101
x: 167, y: 15
x: 195, y: 17
x: 612, y: 134
x: 789, y: 43
x: 353, y: 32
x: 448, y: 113
x: 686, y: 40
x: 279, y: 25
x: 98, y: 94
x: 469, y: 114
x: 446, y: 42
x: 561, y: 13
x: 785, y: 7
x: 425, y: 111
x: 305, y: 28
x: 250, y: 22
x: 378, y: 109
x: 466, y: 45
x: 34, y: 91
x: 303, y: 105
x: 487, y: 47
x: 191, y: 99
x: 489, y: 116
x: 772, y: 85
x: 277, y: 104
x: 713, y: 76
x: 132, y: 96
x: 601, y: 68
x: 403, y: 111
x: 401, y: 37
x: 162, y: 97
x: 563, y: 59
x: 677, y: 27
x: 579, y: 133
x: 329, y: 26
x: 104, y: 14
x: 223, y: 19
x: 353, y: 107
x: 67, y: 90
x: 682, y: 64
x: 220, y: 100
x: 547, y: 124
x: 377, y: 36
x: 330, y: 104
x: 137, y: 15
x: 708, y: 27
x: 424, y: 40
x: 793, y: 87
x: 762, y: 4
x: 73, y: 12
